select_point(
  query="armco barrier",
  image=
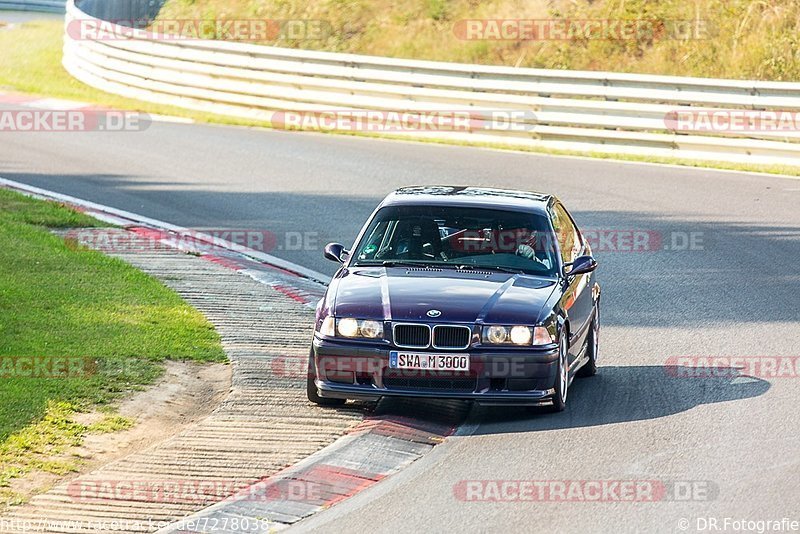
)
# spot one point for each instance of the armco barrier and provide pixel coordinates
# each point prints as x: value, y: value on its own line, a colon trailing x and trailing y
x: 566, y: 110
x: 50, y: 6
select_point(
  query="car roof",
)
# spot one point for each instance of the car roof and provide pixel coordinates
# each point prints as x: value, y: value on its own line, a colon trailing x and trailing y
x: 479, y: 197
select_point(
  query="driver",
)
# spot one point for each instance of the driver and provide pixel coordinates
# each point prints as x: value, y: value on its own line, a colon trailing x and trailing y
x: 531, y: 248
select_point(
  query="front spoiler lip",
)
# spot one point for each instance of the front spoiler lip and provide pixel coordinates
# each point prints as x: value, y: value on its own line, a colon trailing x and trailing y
x: 339, y: 348
x: 500, y: 398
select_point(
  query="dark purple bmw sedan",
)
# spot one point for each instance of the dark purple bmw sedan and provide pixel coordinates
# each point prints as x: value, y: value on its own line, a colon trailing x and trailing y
x: 459, y: 293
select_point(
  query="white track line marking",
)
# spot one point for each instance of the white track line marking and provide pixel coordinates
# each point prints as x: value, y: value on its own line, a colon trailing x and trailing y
x: 161, y: 225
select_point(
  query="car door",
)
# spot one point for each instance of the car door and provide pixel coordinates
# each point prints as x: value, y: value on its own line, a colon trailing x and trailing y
x: 577, y: 297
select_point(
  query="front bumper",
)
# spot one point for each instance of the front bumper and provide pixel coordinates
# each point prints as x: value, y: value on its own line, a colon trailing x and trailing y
x: 352, y: 370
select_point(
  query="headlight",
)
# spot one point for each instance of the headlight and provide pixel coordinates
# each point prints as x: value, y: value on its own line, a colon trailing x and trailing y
x: 371, y: 329
x: 521, y: 335
x: 349, y: 327
x: 496, y: 334
x: 516, y: 335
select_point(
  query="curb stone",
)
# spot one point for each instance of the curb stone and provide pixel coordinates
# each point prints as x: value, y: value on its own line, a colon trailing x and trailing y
x: 399, y: 432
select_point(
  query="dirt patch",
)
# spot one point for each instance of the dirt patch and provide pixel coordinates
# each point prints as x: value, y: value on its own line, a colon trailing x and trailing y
x: 187, y: 393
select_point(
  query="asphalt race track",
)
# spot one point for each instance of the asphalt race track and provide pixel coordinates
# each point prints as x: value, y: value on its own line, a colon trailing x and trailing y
x: 718, y: 277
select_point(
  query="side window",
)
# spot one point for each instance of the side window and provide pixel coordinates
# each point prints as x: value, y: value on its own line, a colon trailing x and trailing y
x: 569, y: 239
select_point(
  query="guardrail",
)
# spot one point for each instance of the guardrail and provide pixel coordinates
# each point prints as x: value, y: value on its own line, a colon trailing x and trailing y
x: 562, y: 110
x: 50, y: 6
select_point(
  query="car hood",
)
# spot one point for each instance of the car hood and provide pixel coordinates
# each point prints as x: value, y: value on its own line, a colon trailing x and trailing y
x: 402, y: 294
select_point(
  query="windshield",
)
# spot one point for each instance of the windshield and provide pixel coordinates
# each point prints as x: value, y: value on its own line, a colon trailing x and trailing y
x: 460, y: 237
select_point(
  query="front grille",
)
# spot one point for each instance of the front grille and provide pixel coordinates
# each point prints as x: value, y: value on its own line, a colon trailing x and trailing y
x: 459, y: 383
x: 451, y: 337
x: 414, y: 336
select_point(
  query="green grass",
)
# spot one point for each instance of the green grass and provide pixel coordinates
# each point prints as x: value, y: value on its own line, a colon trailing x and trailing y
x: 748, y: 39
x: 60, y: 300
x: 30, y: 62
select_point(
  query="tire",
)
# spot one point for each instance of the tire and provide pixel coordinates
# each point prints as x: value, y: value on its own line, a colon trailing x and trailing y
x: 311, y: 387
x: 592, y: 346
x: 562, y: 375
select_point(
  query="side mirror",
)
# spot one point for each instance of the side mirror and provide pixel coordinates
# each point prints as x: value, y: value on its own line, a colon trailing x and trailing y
x: 335, y: 252
x: 581, y: 265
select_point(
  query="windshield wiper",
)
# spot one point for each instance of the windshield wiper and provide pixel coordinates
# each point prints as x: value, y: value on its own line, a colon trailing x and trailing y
x: 394, y: 263
x: 401, y: 263
x: 423, y: 265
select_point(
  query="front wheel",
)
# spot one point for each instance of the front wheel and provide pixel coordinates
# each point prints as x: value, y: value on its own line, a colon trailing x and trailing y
x: 562, y: 375
x: 311, y: 387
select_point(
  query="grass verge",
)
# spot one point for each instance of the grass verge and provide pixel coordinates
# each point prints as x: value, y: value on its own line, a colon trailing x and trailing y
x: 60, y: 301
x: 745, y: 39
x: 30, y: 62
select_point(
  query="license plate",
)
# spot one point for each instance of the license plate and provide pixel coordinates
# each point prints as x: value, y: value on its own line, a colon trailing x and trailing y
x: 428, y: 361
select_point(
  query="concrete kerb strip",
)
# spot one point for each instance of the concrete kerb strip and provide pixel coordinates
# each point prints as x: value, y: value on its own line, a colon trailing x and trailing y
x: 263, y: 425
x: 60, y: 104
x: 126, y: 219
x: 399, y: 432
x: 374, y: 450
